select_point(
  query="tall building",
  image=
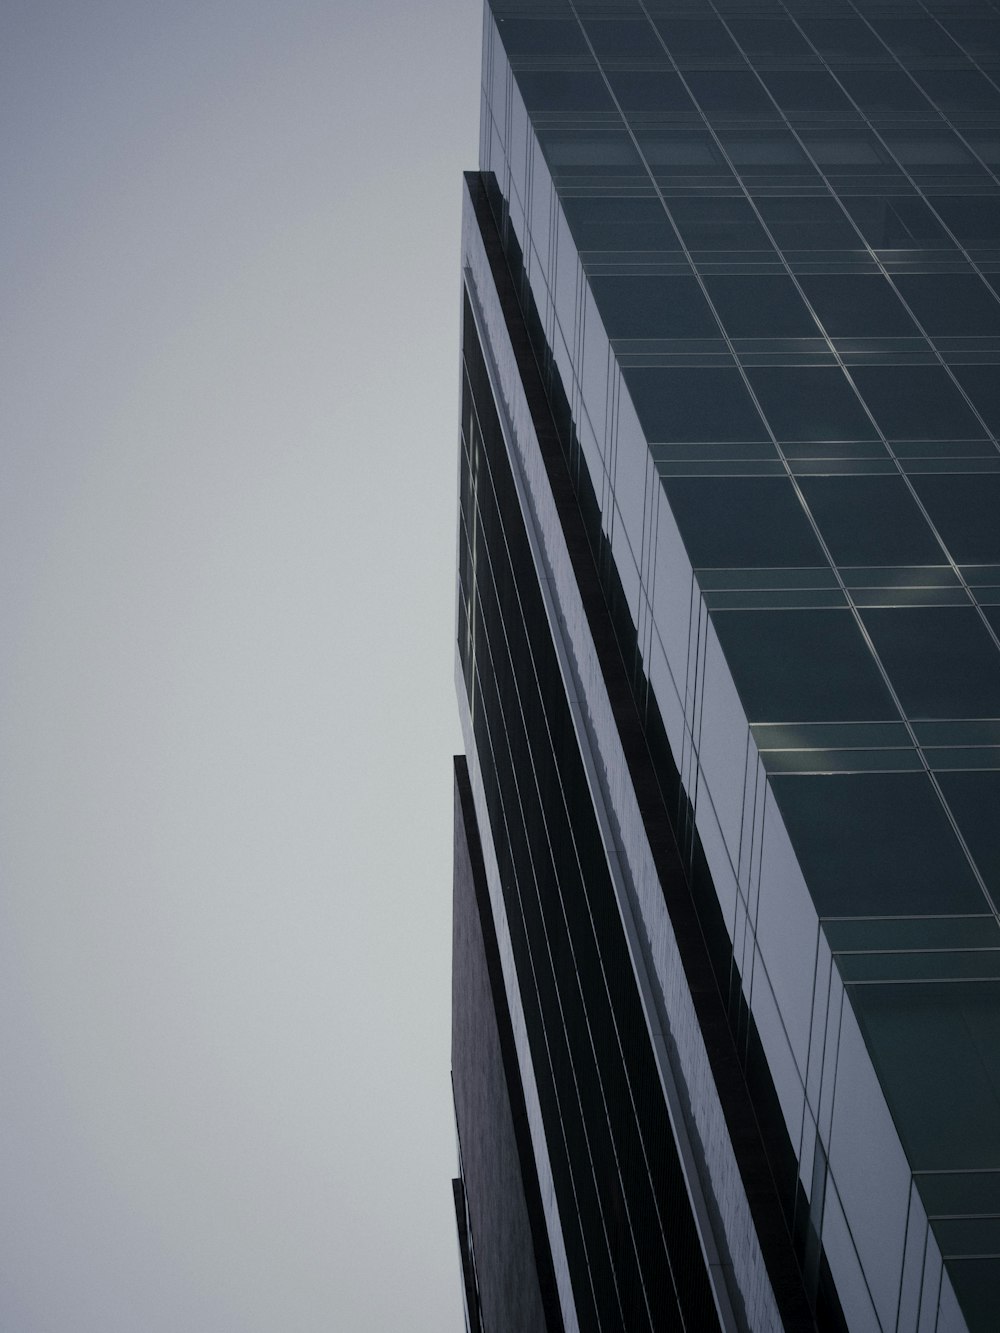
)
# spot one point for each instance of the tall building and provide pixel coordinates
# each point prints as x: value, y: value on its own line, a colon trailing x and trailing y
x: 727, y: 959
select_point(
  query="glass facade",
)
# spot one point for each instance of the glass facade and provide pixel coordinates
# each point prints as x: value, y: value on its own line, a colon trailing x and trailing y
x: 729, y: 654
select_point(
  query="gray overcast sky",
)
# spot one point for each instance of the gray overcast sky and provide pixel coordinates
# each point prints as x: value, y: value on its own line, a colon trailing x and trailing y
x: 229, y: 278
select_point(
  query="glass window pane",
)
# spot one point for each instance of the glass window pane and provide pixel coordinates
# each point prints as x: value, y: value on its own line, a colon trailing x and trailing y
x: 857, y: 305
x: 965, y: 509
x: 729, y: 94
x: 982, y: 384
x: 951, y: 304
x: 527, y: 36
x: 695, y: 38
x: 974, y: 799
x: 802, y: 666
x: 883, y: 91
x: 978, y: 35
x: 761, y: 306
x: 975, y: 219
x: 958, y: 90
x: 623, y: 37
x: 560, y: 90
x: 652, y: 306
x: 936, y: 1049
x: 846, y: 148
x: 808, y: 222
x: 876, y: 844
x: 914, y: 37
x: 940, y: 659
x: 896, y: 222
x: 799, y: 92
x: 652, y: 93
x: 618, y: 223
x: 586, y: 152
x: 768, y: 37
x: 742, y: 522
x: 840, y: 38
x: 870, y: 520
x: 681, y: 151
x: 718, y: 224
x: 916, y: 403
x: 810, y: 403
x: 702, y: 403
x: 763, y: 148
x: 929, y: 148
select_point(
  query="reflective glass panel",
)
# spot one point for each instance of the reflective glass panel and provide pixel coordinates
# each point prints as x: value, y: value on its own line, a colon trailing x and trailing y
x: 876, y: 844
x: 870, y: 520
x: 802, y: 666
x: 940, y: 659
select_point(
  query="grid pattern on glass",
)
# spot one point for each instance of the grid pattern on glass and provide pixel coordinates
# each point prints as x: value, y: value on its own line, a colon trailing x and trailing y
x: 820, y: 187
x: 631, y: 1242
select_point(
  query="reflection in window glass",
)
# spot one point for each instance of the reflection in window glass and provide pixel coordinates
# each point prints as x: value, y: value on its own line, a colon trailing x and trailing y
x: 928, y: 148
x: 808, y: 222
x: 870, y: 520
x: 682, y: 149
x: 798, y: 92
x: 951, y: 304
x: 694, y: 404
x: 974, y: 798
x: 845, y: 37
x: 652, y: 306
x: 914, y: 37
x: 959, y: 90
x: 845, y: 146
x: 978, y: 35
x: 985, y: 142
x: 695, y: 38
x: 940, y: 659
x: 718, y: 224
x: 857, y: 305
x: 936, y: 1049
x: 730, y: 94
x: 876, y: 844
x: 965, y: 509
x: 527, y: 36
x: 896, y: 222
x: 982, y: 384
x: 976, y: 1282
x: 769, y: 37
x: 916, y: 403
x: 883, y: 91
x: 810, y: 403
x: 742, y: 522
x: 559, y: 90
x: 618, y: 222
x: 652, y: 93
x: 623, y: 37
x: 802, y: 666
x: 975, y: 219
x: 766, y: 149
x: 762, y: 305
x: 588, y: 152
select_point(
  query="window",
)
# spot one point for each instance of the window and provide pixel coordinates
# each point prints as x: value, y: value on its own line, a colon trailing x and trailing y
x: 876, y: 844
x: 742, y: 522
x: 701, y: 403
x: 916, y: 403
x: 802, y: 666
x: 651, y: 306
x: 965, y: 509
x: 940, y: 659
x: 870, y: 520
x: 761, y: 305
x: 857, y: 305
